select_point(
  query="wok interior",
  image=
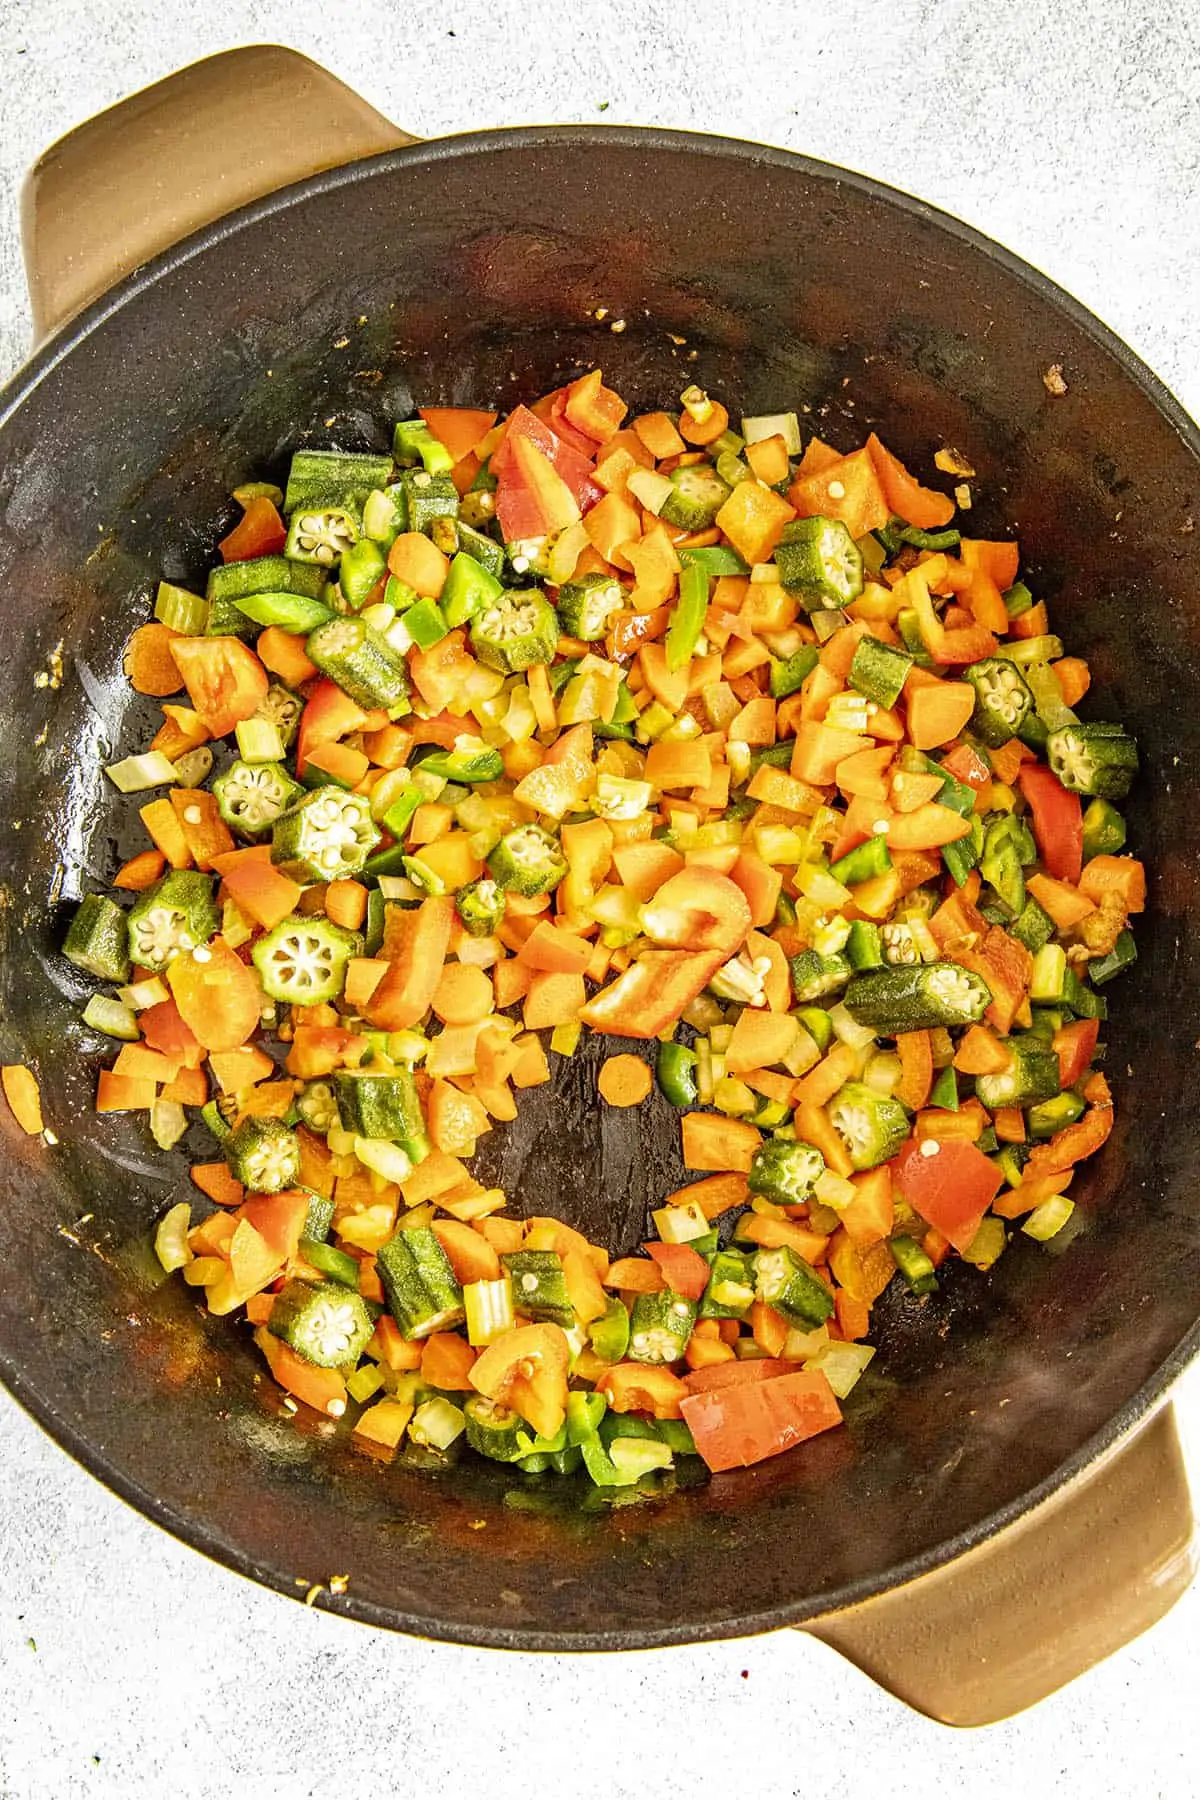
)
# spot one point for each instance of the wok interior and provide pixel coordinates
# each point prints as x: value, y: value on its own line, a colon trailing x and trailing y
x: 470, y: 273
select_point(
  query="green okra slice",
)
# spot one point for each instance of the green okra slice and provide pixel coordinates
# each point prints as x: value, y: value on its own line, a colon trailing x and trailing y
x: 97, y: 940
x: 515, y: 632
x: 1032, y: 927
x: 428, y: 498
x: 320, y: 534
x: 814, y: 975
x: 324, y: 836
x: 730, y: 1291
x: 697, y: 496
x: 175, y: 915
x: 609, y: 1333
x: 863, y: 863
x: 1032, y: 1075
x: 539, y: 1285
x: 265, y: 575
x: 281, y: 708
x: 419, y: 1284
x: 527, y: 860
x: 871, y: 1125
x: 864, y: 946
x: 1002, y: 700
x: 1046, y: 1117
x: 413, y: 441
x: 264, y: 1155
x: 784, y: 1281
x: 1103, y: 830
x: 361, y: 661
x: 483, y: 549
x: 251, y: 796
x: 1093, y: 759
x: 785, y: 1170
x: 914, y: 1264
x: 324, y: 1322
x: 1119, y: 958
x: 660, y: 1326
x: 317, y: 1107
x: 916, y: 998
x: 879, y: 671
x: 493, y: 1430
x: 789, y: 677
x: 382, y: 1106
x: 586, y: 607
x: 303, y: 959
x: 480, y: 906
x: 1001, y: 864
x: 320, y: 1218
x: 818, y: 560
x: 334, y: 478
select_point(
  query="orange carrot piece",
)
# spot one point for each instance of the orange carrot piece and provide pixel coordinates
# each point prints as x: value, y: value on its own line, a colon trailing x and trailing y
x: 635, y: 1275
x: 284, y: 654
x: 938, y: 711
x: 24, y: 1097
x: 160, y: 820
x: 447, y: 1361
x: 140, y: 872
x: 624, y: 1081
x: 916, y: 1068
x: 981, y: 1053
x: 713, y: 1142
x: 215, y: 1180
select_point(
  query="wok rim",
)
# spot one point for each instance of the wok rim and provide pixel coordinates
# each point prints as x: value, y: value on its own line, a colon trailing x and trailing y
x: 1121, y: 1425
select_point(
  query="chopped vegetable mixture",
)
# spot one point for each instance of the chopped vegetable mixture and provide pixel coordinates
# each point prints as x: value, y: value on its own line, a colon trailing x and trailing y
x: 713, y: 739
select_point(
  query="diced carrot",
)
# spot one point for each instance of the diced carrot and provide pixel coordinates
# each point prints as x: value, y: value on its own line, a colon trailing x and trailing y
x: 346, y: 904
x: 753, y: 519
x: 916, y: 1068
x: 459, y: 428
x: 463, y: 996
x: 937, y: 711
x: 187, y: 1088
x: 635, y: 1275
x: 1074, y: 678
x: 1122, y: 875
x: 1009, y: 1124
x: 644, y: 867
x: 284, y: 654
x: 981, y: 1053
x: 416, y: 949
x: 553, y: 1000
x: 666, y: 684
x: 624, y: 1081
x: 768, y: 458
x: 149, y: 666
x: 160, y: 820
x: 446, y: 1362
x: 204, y: 830
x: 928, y: 828
x: 713, y: 1142
x: 769, y: 1329
x: 262, y: 891
x: 611, y: 525
x: 822, y: 1082
x: 760, y: 1038
x: 215, y: 1180
x: 531, y: 1068
x: 137, y: 1062
x: 1067, y: 905
x: 1033, y: 622
x: 869, y: 1217
x: 813, y: 1127
x: 715, y: 1195
x: 819, y: 749
x: 684, y: 764
x: 848, y: 489
x: 140, y: 872
x: 416, y: 559
x: 772, y: 1234
x: 755, y: 724
x: 866, y: 774
x: 24, y: 1097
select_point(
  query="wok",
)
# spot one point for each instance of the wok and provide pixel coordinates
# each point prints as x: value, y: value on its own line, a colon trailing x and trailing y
x: 997, y: 1512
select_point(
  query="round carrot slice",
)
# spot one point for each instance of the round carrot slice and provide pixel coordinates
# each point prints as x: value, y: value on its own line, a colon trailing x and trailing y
x: 625, y: 1081
x: 464, y: 995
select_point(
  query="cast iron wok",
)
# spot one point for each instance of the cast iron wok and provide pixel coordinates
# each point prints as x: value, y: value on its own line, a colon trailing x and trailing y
x: 468, y: 272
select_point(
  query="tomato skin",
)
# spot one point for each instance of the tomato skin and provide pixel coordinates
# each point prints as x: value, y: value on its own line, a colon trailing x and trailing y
x: 685, y: 1269
x: 643, y: 1388
x: 651, y: 993
x: 951, y: 1187
x: 1075, y: 1045
x: 699, y: 909
x: 1057, y: 821
x: 540, y: 1396
x: 225, y: 681
x: 736, y: 1426
x: 219, y: 998
x: 328, y: 715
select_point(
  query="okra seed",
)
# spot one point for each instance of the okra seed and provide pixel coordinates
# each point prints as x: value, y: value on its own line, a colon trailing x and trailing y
x: 529, y: 1284
x: 201, y: 955
x: 930, y: 1147
x: 192, y: 815
x: 324, y: 554
x: 335, y: 1408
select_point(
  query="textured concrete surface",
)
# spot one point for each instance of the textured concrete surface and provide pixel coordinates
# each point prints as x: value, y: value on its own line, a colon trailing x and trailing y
x: 128, y: 1665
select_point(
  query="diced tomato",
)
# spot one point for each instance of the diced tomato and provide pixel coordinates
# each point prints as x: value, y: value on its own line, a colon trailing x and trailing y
x: 571, y: 465
x: 684, y: 1268
x: 329, y: 714
x: 698, y: 909
x: 225, y: 681
x: 593, y: 409
x: 532, y: 498
x: 652, y: 993
x: 737, y: 1374
x: 736, y: 1426
x: 259, y: 532
x: 527, y: 1370
x: 1057, y: 821
x: 1075, y: 1045
x: 951, y: 1186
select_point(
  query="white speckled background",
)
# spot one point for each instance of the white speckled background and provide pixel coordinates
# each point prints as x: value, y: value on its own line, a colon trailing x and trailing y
x: 128, y: 1665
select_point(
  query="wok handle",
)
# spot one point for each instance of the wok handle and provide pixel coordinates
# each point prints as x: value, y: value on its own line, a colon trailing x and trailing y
x: 1027, y: 1611
x: 136, y: 179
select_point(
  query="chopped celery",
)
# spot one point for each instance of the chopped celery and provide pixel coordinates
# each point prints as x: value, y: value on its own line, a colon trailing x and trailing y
x: 1048, y: 1219
x: 133, y: 774
x: 680, y: 1224
x: 437, y: 1424
x: 170, y: 1238
x: 383, y: 1158
x: 112, y: 1017
x: 489, y: 1308
x: 180, y: 610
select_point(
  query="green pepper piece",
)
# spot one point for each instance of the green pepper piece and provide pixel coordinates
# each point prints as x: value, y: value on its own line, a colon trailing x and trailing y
x: 688, y: 613
x: 914, y: 1264
x: 714, y: 559
x: 676, y: 1070
x: 527, y: 860
x: 303, y: 959
x: 730, y: 1290
x: 469, y: 589
x: 818, y: 560
x: 864, y: 946
x: 814, y: 975
x: 317, y: 1106
x: 660, y: 1326
x: 1103, y: 830
x: 609, y: 1333
x: 1017, y: 600
x: 426, y: 623
x: 601, y: 1468
x: 320, y: 1218
x: 517, y: 631
x: 294, y: 613
x: 863, y: 863
x: 539, y: 1285
x: 471, y: 760
x: 494, y: 1430
x: 264, y: 1155
x: 251, y: 796
x: 586, y: 606
x: 418, y: 1281
x: 214, y: 1118
x: 879, y: 671
x: 1032, y: 1075
x: 412, y: 441
x: 319, y: 535
x: 1000, y: 866
x: 944, y: 1092
x: 429, y: 498
x: 1082, y: 1001
x: 789, y: 677
x: 818, y: 1024
x: 871, y: 1125
x: 1055, y: 1114
x: 584, y: 1413
x: 677, y: 1436
x: 361, y: 661
x: 917, y: 998
x: 697, y: 496
x: 929, y: 540
x: 383, y: 1106
x: 1002, y: 700
x: 97, y: 940
x: 324, y: 836
x: 785, y: 1170
x: 1093, y: 759
x: 480, y: 906
x: 363, y: 567
x: 1120, y: 957
x: 784, y: 1281
x: 334, y: 478
x: 330, y: 1262
x: 175, y: 915
x: 485, y: 550
x: 323, y: 1322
